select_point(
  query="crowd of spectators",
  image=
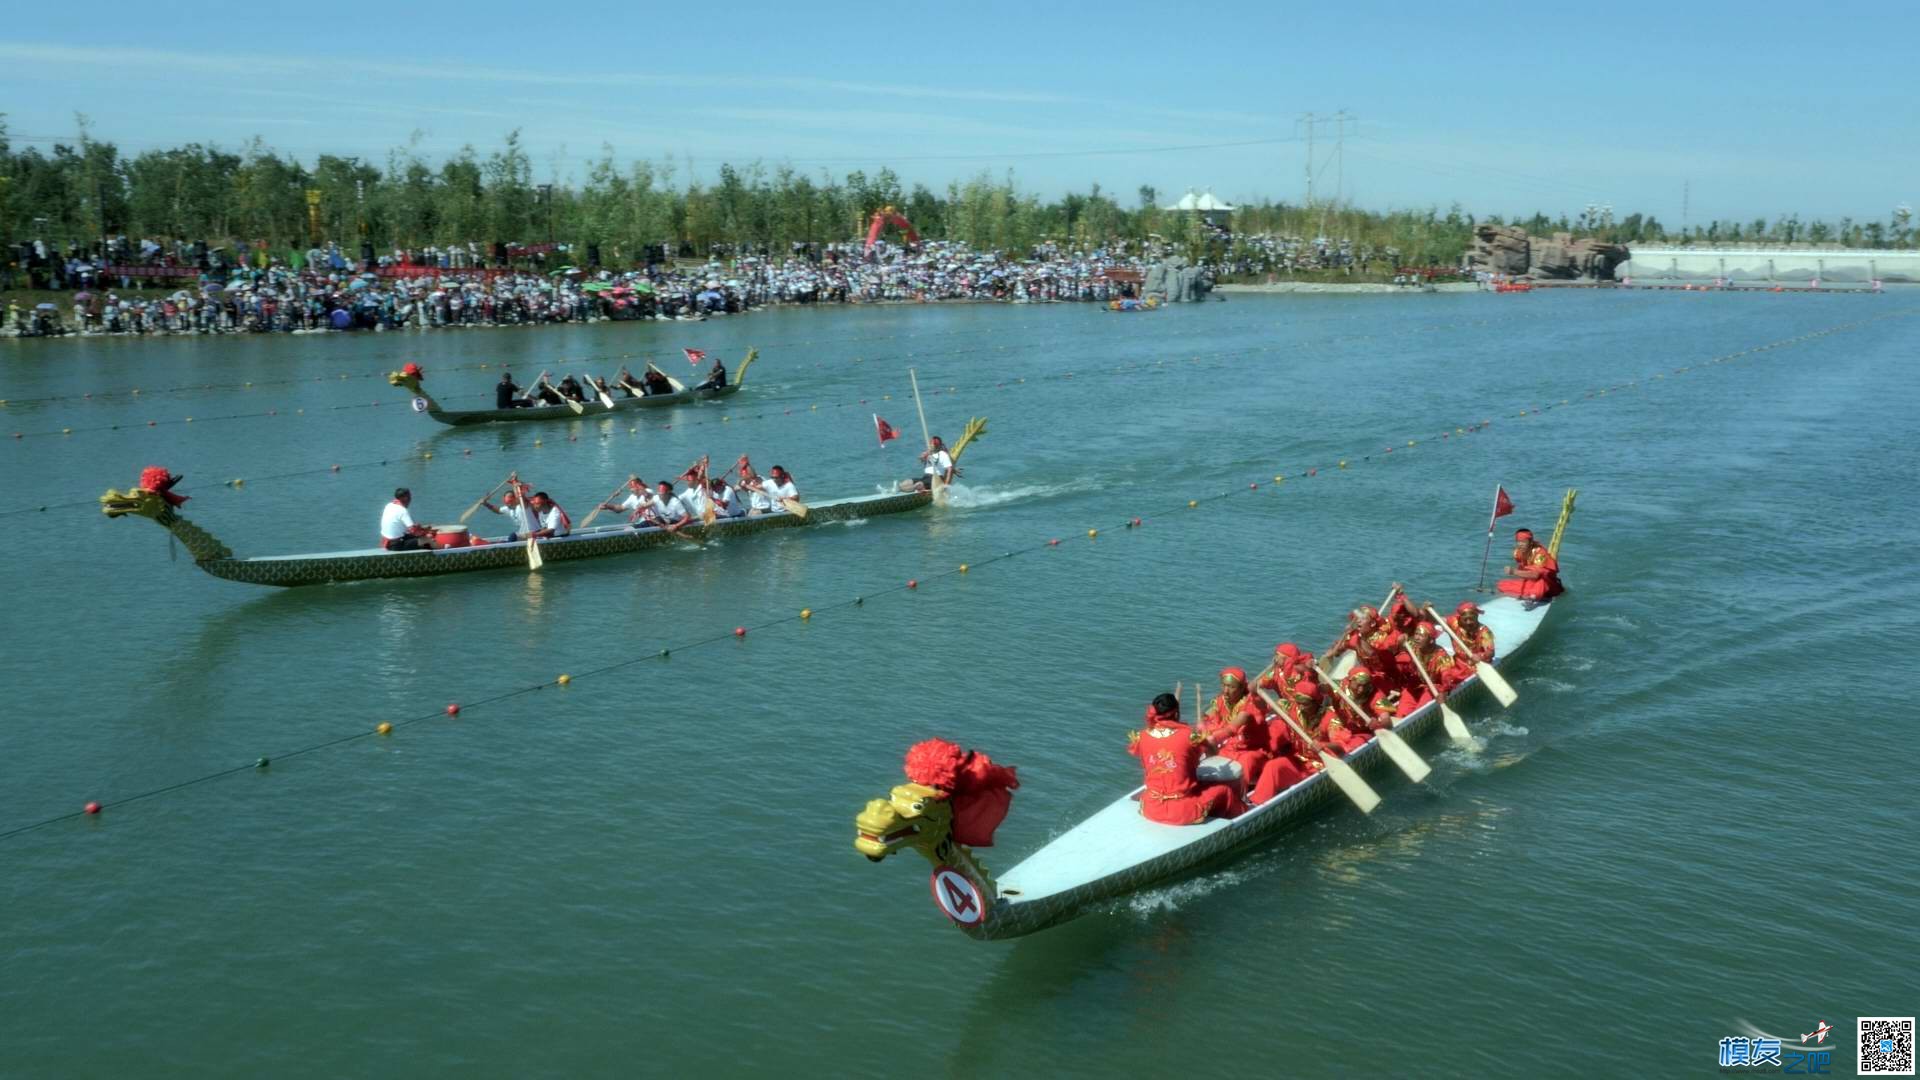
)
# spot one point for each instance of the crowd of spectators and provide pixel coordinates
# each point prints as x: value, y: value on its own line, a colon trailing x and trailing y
x: 152, y: 286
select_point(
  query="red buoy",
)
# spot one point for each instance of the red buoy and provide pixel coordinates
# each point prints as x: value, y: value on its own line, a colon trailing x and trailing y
x: 913, y: 583
x: 739, y: 631
x: 453, y: 708
x: 93, y: 808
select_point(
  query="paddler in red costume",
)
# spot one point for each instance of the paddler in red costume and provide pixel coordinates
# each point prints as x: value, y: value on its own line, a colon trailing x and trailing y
x: 1373, y: 641
x: 981, y: 792
x: 1236, y: 726
x: 1170, y: 753
x: 1535, y: 572
x: 1465, y: 625
x: 1340, y: 728
x: 1437, y: 662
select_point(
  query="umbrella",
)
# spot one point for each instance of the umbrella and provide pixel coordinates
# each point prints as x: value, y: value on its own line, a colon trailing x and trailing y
x: 643, y: 287
x: 82, y: 297
x: 595, y: 286
x: 357, y: 283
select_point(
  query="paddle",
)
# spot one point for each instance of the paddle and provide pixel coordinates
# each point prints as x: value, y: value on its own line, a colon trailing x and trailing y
x: 1347, y: 780
x: 608, y: 499
x: 796, y: 507
x: 1397, y: 749
x: 600, y: 392
x: 564, y: 399
x: 475, y: 508
x: 1449, y: 719
x: 1493, y: 680
x: 937, y: 483
x: 534, y: 561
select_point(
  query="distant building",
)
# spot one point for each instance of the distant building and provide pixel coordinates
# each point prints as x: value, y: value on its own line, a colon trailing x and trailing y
x: 1206, y: 204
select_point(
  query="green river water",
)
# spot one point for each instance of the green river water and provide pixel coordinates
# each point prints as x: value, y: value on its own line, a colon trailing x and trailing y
x: 1698, y: 821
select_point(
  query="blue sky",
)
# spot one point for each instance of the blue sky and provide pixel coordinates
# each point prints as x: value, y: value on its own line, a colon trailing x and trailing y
x: 1760, y: 108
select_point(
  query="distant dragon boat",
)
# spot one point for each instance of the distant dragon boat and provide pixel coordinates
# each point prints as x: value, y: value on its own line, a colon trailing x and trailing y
x: 331, y: 567
x: 588, y: 410
x: 1117, y: 851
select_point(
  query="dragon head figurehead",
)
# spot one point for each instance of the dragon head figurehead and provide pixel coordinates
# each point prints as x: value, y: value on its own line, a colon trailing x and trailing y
x: 915, y: 816
x: 409, y: 378
x: 155, y: 498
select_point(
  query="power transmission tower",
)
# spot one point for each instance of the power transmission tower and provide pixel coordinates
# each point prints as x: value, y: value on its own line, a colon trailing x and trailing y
x: 1309, y: 121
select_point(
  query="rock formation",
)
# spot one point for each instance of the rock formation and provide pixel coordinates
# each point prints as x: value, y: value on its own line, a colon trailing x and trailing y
x: 1509, y: 250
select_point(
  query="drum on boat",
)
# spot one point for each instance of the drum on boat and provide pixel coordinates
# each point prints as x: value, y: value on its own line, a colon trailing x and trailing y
x: 450, y: 536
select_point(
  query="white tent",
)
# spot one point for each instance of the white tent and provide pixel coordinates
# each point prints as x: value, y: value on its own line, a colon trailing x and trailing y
x: 1203, y: 201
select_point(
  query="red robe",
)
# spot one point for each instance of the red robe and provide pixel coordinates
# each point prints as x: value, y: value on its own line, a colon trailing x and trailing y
x: 1338, y: 728
x: 982, y: 795
x: 1243, y: 739
x: 1169, y: 754
x: 1481, y: 642
x: 1545, y: 587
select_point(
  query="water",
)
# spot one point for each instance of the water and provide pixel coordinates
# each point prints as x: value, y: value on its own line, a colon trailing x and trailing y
x: 1698, y: 817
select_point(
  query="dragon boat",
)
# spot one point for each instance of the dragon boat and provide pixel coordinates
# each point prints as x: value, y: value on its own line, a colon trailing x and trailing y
x: 410, y: 380
x: 1117, y: 851
x: 153, y: 500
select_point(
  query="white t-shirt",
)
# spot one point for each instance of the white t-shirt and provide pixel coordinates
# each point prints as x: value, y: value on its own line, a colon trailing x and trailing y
x: 555, y: 519
x: 757, y: 497
x: 726, y: 503
x: 394, y: 521
x: 518, y: 518
x: 695, y: 501
x: 777, y: 490
x: 670, y: 509
x: 636, y: 502
x: 938, y: 464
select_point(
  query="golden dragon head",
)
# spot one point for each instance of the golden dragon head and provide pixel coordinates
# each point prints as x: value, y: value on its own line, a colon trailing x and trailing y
x: 138, y: 500
x: 915, y: 817
x: 408, y: 379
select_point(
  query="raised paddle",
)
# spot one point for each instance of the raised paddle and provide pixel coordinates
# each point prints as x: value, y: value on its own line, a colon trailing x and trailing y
x: 564, y: 399
x: 534, y: 561
x: 475, y: 508
x: 936, y: 483
x: 1344, y: 777
x: 1502, y: 692
x: 1397, y: 749
x: 1456, y: 727
x: 608, y: 499
x: 605, y: 398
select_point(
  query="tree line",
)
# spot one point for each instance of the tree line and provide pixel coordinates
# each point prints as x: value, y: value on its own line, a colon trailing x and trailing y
x: 81, y: 192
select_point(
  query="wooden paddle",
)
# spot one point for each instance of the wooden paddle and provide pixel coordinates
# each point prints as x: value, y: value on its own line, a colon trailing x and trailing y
x: 608, y: 499
x: 1456, y: 727
x: 1397, y: 749
x: 1493, y: 679
x: 475, y: 508
x: 564, y: 399
x: 936, y: 483
x: 1344, y: 776
x: 605, y: 398
x: 796, y: 508
x: 534, y: 561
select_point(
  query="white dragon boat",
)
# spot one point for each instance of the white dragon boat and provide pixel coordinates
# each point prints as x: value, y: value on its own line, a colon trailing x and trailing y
x: 1117, y: 851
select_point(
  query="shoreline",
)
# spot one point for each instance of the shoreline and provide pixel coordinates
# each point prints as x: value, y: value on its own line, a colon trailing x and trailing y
x: 1372, y: 288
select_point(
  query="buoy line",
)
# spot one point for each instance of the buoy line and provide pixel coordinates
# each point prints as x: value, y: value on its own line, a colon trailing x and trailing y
x: 911, y: 585
x: 1028, y: 343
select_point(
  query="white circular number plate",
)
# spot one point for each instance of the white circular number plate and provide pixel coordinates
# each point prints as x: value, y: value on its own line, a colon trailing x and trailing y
x: 419, y: 404
x: 958, y: 896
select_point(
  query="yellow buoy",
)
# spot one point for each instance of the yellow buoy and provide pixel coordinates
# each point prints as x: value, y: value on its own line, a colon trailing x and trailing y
x: 563, y: 679
x: 1092, y: 533
x: 1191, y: 503
x: 1343, y: 463
x: 66, y: 431
x: 536, y: 442
x: 963, y: 568
x: 428, y: 455
x: 1279, y: 478
x: 806, y: 613
x: 384, y: 728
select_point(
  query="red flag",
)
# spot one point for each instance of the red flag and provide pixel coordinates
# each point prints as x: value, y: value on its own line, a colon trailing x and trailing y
x: 884, y: 430
x: 1502, y: 506
x: 694, y: 356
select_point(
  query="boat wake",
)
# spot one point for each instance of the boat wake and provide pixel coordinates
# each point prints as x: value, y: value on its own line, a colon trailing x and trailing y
x: 1171, y: 898
x: 970, y: 497
x: 1553, y: 685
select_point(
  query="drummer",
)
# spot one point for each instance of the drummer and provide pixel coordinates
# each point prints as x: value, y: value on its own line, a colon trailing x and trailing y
x: 716, y: 377
x: 1169, y: 753
x: 397, y: 530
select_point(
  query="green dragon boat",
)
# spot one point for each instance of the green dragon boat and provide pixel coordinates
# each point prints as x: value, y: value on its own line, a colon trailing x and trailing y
x: 155, y: 503
x: 424, y: 402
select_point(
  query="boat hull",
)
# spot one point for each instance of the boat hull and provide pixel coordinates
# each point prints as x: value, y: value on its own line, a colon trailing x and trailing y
x: 594, y: 409
x: 328, y: 568
x: 1015, y: 911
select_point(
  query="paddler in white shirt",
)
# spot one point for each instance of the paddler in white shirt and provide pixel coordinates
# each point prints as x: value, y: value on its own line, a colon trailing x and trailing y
x: 938, y: 463
x: 635, y: 502
x: 513, y: 506
x: 766, y: 494
x: 549, y: 520
x: 726, y: 502
x: 668, y: 511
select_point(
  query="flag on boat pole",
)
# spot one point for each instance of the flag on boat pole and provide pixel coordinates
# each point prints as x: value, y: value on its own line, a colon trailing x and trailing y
x: 695, y: 356
x: 884, y: 430
x: 1502, y: 506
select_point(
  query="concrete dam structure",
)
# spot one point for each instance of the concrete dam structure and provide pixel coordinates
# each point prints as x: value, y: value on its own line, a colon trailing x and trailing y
x: 1785, y: 264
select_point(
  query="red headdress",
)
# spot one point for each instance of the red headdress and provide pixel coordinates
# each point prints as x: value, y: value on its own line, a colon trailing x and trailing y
x: 413, y: 369
x: 935, y: 763
x: 981, y: 791
x: 1466, y: 606
x: 1238, y: 675
x: 157, y: 479
x: 1157, y: 715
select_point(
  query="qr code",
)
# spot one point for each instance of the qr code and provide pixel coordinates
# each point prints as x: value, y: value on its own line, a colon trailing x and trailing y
x: 1886, y: 1046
